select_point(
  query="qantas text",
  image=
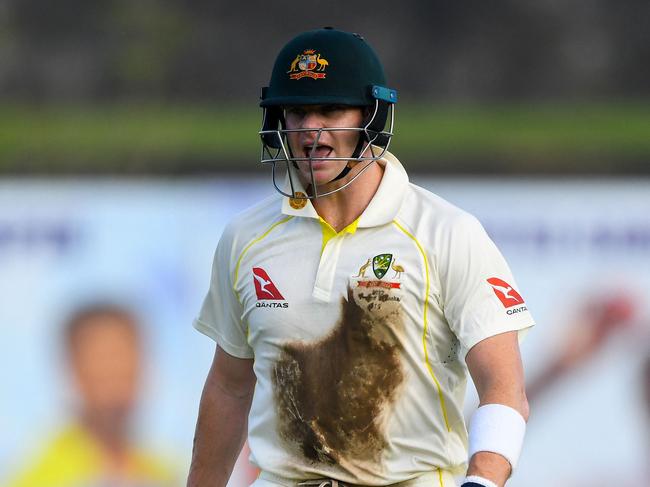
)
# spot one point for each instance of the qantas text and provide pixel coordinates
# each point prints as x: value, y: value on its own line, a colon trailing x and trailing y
x: 271, y: 305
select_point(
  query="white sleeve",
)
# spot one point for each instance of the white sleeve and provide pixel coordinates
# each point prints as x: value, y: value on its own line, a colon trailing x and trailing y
x: 479, y: 294
x: 220, y: 315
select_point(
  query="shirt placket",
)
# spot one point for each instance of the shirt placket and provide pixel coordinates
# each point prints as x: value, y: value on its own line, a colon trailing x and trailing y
x: 327, y: 268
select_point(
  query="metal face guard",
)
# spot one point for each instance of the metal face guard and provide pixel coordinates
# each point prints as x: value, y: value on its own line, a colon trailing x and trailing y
x: 276, y: 150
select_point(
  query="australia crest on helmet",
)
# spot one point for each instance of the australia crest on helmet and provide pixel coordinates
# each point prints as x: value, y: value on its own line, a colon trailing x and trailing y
x: 309, y: 64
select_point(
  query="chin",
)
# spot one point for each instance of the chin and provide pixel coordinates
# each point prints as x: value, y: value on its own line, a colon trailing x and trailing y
x: 322, y: 175
x: 325, y: 175
x: 319, y: 181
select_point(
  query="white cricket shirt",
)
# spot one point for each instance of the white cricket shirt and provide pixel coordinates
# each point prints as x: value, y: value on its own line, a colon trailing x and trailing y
x: 359, y: 337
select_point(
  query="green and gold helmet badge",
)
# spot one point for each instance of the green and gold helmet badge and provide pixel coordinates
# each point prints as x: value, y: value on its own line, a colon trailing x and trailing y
x: 381, y: 264
x: 308, y: 64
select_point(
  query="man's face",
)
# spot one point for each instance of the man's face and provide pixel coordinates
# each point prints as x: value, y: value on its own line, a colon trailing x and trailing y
x: 105, y: 360
x: 330, y: 143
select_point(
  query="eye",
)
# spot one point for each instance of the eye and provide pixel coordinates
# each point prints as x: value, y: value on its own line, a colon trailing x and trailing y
x: 329, y: 109
x: 296, y: 112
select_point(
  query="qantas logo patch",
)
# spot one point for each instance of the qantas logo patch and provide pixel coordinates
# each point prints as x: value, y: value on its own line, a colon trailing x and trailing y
x: 264, y: 287
x: 505, y: 292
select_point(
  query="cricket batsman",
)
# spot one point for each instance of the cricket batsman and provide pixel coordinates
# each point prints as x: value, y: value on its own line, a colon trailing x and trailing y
x: 349, y: 309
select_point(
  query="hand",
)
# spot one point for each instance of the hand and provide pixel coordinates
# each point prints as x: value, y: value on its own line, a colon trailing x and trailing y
x: 475, y: 481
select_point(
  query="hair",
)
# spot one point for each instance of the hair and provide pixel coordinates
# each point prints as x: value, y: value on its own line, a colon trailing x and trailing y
x: 81, y: 318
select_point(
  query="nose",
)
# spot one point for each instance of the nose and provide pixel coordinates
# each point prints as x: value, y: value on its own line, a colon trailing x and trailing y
x: 312, y: 120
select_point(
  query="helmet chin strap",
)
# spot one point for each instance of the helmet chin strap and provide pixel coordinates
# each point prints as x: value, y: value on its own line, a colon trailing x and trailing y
x: 343, y: 173
x: 348, y: 167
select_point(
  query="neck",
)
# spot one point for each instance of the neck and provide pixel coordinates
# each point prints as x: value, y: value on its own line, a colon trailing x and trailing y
x: 343, y: 207
x: 110, y: 432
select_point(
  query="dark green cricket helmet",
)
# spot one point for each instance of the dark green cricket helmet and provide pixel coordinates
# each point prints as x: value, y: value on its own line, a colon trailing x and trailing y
x: 327, y: 66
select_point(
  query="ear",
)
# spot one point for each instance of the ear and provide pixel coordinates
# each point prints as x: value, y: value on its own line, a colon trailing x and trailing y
x: 273, y: 120
x: 376, y: 125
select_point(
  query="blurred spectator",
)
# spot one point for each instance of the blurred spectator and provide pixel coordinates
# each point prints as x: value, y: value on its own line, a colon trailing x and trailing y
x: 632, y: 478
x: 602, y: 318
x: 103, y: 349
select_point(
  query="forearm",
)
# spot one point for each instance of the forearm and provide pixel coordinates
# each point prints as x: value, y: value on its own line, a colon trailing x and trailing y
x: 490, y: 466
x: 496, y: 432
x: 222, y: 423
x: 220, y: 434
x: 487, y: 464
x: 499, y: 424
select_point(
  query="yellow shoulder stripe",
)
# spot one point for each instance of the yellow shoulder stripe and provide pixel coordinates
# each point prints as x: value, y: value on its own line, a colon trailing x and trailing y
x: 425, y: 321
x: 251, y: 243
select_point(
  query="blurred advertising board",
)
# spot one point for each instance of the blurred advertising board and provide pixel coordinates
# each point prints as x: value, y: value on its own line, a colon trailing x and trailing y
x: 574, y: 247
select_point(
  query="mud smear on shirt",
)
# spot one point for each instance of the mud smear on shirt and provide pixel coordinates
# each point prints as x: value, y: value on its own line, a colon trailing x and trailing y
x: 332, y: 395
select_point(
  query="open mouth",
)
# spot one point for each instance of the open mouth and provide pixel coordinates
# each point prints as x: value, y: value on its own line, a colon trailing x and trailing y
x: 318, y: 151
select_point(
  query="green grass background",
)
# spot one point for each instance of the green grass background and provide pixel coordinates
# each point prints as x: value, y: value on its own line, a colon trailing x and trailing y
x: 503, y: 138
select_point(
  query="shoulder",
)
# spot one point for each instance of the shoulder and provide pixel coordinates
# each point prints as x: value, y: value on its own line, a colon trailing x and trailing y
x: 249, y: 225
x: 154, y: 467
x: 254, y: 220
x: 66, y: 458
x: 430, y: 215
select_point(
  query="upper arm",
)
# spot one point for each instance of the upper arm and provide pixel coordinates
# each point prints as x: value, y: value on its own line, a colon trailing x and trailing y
x: 497, y: 371
x: 220, y: 316
x: 233, y: 376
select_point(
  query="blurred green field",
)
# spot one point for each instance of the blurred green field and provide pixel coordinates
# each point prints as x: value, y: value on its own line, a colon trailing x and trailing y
x: 608, y: 138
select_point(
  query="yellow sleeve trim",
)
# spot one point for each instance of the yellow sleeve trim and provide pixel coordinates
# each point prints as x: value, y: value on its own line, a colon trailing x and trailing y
x: 426, y: 324
x: 253, y: 242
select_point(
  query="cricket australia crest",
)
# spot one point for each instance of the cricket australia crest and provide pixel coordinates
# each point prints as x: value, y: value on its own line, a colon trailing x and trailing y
x: 308, y: 64
x: 381, y: 264
x: 374, y: 291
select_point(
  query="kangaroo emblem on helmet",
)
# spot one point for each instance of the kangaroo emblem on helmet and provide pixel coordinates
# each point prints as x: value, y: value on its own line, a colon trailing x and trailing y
x: 304, y: 65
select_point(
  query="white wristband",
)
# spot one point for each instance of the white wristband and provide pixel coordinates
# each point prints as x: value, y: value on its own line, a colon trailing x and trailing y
x: 498, y: 429
x: 480, y: 480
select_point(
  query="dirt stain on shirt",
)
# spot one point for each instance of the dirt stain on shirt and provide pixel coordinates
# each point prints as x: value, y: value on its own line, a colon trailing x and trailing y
x: 332, y: 395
